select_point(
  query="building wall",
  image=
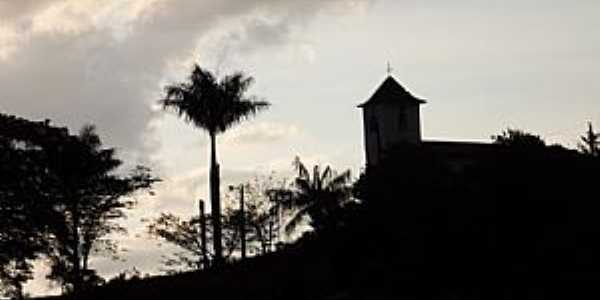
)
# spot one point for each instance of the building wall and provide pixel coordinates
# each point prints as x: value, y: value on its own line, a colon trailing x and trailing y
x: 389, y: 124
x: 372, y: 142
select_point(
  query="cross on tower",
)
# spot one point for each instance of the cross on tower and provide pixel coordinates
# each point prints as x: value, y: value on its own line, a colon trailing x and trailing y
x: 389, y: 69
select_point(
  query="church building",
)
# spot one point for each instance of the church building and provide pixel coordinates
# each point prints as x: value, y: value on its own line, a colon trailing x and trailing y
x: 392, y: 117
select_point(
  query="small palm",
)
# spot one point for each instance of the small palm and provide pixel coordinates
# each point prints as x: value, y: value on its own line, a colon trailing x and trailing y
x: 319, y: 196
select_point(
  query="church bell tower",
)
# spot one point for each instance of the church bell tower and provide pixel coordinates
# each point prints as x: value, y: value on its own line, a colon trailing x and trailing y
x: 391, y: 117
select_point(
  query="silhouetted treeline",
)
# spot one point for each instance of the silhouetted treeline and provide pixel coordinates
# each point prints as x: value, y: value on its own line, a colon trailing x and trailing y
x: 273, y: 213
x: 519, y: 222
x: 523, y: 217
x: 60, y: 199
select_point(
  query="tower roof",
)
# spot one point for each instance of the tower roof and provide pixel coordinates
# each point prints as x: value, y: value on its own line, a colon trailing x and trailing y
x: 391, y: 91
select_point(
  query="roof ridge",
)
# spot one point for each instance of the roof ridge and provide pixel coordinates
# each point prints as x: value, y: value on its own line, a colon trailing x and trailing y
x: 391, y: 90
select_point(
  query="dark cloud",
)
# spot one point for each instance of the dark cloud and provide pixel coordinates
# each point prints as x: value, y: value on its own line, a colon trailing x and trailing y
x: 110, y: 73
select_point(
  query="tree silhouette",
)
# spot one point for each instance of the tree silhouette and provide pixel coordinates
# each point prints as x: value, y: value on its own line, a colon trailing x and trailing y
x: 591, y: 142
x: 519, y: 140
x: 261, y: 212
x: 21, y: 237
x: 89, y: 198
x: 185, y: 235
x: 23, y: 197
x: 59, y: 196
x: 281, y: 206
x: 320, y: 196
x: 214, y: 105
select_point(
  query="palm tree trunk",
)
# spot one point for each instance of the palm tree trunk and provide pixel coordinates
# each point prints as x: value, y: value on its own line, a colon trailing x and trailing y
x: 76, y: 255
x: 203, y: 236
x: 84, y: 260
x: 242, y: 223
x: 215, y: 201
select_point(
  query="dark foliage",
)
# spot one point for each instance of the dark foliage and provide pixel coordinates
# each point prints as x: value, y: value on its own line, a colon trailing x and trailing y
x: 185, y: 234
x: 590, y: 142
x: 320, y: 195
x: 520, y: 224
x: 519, y: 140
x: 88, y: 198
x: 24, y: 199
x: 60, y: 197
x: 261, y: 222
x: 523, y: 218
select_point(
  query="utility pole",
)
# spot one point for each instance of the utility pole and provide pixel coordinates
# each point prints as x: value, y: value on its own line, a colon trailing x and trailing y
x: 205, y: 263
x: 271, y: 236
x: 242, y: 219
x: 243, y: 222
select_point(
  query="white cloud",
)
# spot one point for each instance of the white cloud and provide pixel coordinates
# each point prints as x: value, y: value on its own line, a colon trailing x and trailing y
x: 262, y: 133
x: 104, y: 62
x: 9, y: 40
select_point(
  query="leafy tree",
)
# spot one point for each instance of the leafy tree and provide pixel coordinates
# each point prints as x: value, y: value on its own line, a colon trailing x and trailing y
x: 126, y: 277
x: 518, y: 139
x: 185, y: 234
x: 16, y: 232
x: 321, y: 196
x: 59, y: 196
x: 281, y: 209
x: 90, y: 197
x: 590, y: 142
x: 14, y: 274
x: 262, y: 211
x: 260, y: 219
x: 214, y: 105
x: 23, y: 205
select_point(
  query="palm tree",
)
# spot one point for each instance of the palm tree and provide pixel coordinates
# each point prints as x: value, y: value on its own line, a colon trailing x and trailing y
x: 214, y: 105
x: 320, y: 196
x: 591, y: 142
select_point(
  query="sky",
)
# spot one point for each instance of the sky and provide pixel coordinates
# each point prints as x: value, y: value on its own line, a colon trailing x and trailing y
x: 482, y: 65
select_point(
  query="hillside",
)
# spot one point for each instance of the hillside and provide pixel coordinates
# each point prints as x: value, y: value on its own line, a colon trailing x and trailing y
x: 522, y: 226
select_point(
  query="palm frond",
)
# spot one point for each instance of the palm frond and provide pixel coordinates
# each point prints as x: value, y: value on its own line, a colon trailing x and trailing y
x: 295, y: 220
x: 303, y: 185
x: 237, y: 111
x: 210, y: 104
x: 301, y: 168
x: 236, y: 84
x: 326, y: 175
x: 316, y: 178
x: 340, y: 180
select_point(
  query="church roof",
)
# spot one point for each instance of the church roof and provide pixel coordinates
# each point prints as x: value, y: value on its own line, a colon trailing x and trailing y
x: 391, y: 91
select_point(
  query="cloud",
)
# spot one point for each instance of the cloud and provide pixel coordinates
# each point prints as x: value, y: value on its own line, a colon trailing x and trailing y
x: 80, y: 61
x: 179, y: 194
x: 14, y: 10
x: 105, y: 62
x: 263, y: 133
